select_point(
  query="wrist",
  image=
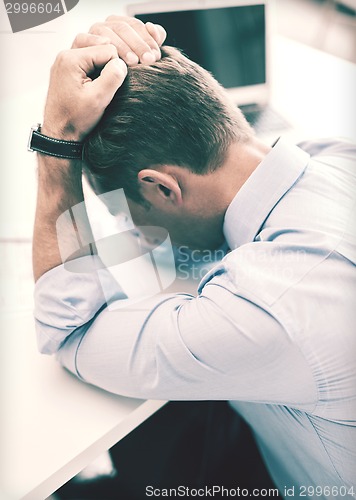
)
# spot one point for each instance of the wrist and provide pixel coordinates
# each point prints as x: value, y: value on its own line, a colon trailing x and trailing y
x: 59, y: 179
x: 61, y: 133
x: 51, y: 144
x: 58, y: 169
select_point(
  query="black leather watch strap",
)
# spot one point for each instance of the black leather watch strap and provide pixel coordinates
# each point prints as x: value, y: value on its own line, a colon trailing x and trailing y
x: 71, y: 150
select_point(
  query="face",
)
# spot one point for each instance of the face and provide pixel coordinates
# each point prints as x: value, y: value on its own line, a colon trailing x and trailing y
x: 196, y: 229
x: 195, y: 221
x: 189, y: 206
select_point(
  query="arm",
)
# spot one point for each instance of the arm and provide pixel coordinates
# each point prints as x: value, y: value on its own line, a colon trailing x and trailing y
x: 75, y: 103
x: 216, y: 346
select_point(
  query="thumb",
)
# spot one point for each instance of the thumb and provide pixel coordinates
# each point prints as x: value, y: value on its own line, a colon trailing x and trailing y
x: 110, y: 80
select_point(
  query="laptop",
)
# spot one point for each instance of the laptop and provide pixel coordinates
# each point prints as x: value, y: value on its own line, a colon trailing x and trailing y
x: 229, y: 38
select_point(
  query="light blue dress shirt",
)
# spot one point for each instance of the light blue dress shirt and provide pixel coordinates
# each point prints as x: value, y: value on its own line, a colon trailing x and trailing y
x: 272, y: 328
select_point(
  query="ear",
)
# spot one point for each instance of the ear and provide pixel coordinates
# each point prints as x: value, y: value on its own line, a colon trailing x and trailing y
x: 159, y: 187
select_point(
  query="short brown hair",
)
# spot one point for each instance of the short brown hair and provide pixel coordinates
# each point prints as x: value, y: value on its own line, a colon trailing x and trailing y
x: 170, y: 113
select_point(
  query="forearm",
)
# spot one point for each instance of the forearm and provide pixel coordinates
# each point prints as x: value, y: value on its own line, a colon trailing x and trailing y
x: 59, y: 189
x: 75, y: 104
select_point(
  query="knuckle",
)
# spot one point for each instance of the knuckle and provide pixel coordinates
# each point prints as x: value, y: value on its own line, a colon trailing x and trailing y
x: 112, y: 18
x: 120, y: 25
x: 96, y: 28
x: 136, y: 22
x: 112, y: 50
x: 63, y: 57
x: 108, y: 50
x: 79, y: 39
x: 62, y: 61
x: 153, y: 45
x: 140, y: 47
x: 130, y: 21
x: 122, y: 29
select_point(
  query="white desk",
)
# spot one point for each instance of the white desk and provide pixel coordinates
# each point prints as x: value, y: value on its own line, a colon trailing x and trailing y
x: 52, y: 424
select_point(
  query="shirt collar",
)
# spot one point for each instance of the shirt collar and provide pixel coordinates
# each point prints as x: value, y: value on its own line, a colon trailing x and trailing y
x: 275, y: 175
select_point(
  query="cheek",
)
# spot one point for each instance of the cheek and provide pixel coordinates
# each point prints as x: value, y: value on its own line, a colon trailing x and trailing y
x: 143, y: 216
x: 138, y: 214
x: 139, y: 219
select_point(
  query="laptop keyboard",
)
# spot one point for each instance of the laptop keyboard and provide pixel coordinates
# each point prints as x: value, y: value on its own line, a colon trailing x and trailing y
x: 264, y: 119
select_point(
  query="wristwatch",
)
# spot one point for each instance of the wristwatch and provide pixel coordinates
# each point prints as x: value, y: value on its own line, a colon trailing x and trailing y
x: 53, y: 147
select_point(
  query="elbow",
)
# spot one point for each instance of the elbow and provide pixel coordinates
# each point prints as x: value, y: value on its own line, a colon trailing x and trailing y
x: 49, y: 339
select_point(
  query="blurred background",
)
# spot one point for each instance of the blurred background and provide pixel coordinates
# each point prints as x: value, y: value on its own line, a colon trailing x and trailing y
x: 328, y: 25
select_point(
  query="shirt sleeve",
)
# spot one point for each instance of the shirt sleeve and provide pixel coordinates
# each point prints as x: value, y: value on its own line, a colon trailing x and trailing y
x: 217, y: 345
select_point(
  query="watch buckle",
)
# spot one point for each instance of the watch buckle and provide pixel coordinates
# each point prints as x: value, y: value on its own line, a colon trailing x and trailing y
x: 34, y: 128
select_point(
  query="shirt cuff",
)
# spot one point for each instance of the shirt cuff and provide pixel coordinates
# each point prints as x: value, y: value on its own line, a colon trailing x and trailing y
x: 65, y: 300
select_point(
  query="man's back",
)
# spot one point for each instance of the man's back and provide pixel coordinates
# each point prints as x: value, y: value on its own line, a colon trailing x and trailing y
x: 301, y: 268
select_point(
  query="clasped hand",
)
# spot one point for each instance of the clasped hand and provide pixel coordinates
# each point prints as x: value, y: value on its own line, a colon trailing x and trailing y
x: 76, y: 101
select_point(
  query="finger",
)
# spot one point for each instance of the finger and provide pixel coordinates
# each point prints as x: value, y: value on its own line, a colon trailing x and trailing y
x: 142, y: 31
x: 162, y: 32
x: 122, y: 25
x: 110, y: 80
x: 136, y: 43
x: 89, y: 59
x: 152, y: 30
x: 88, y: 40
x: 123, y: 50
x: 157, y: 32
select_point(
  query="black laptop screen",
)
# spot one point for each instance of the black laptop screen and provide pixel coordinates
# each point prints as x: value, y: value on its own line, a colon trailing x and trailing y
x: 230, y: 42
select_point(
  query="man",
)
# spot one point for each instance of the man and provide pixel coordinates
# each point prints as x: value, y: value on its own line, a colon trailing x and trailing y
x: 271, y: 329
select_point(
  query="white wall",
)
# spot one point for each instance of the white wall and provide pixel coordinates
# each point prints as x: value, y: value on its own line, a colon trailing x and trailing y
x: 25, y: 59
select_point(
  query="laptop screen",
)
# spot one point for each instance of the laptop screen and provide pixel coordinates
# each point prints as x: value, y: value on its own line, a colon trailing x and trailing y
x: 229, y: 42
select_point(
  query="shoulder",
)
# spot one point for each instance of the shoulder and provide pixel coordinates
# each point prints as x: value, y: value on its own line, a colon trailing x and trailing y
x: 337, y: 147
x: 264, y: 270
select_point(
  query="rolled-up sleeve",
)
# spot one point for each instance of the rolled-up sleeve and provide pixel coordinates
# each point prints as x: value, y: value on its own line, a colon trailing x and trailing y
x: 65, y: 301
x: 217, y: 345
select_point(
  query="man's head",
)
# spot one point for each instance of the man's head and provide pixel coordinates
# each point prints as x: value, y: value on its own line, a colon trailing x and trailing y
x: 163, y: 138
